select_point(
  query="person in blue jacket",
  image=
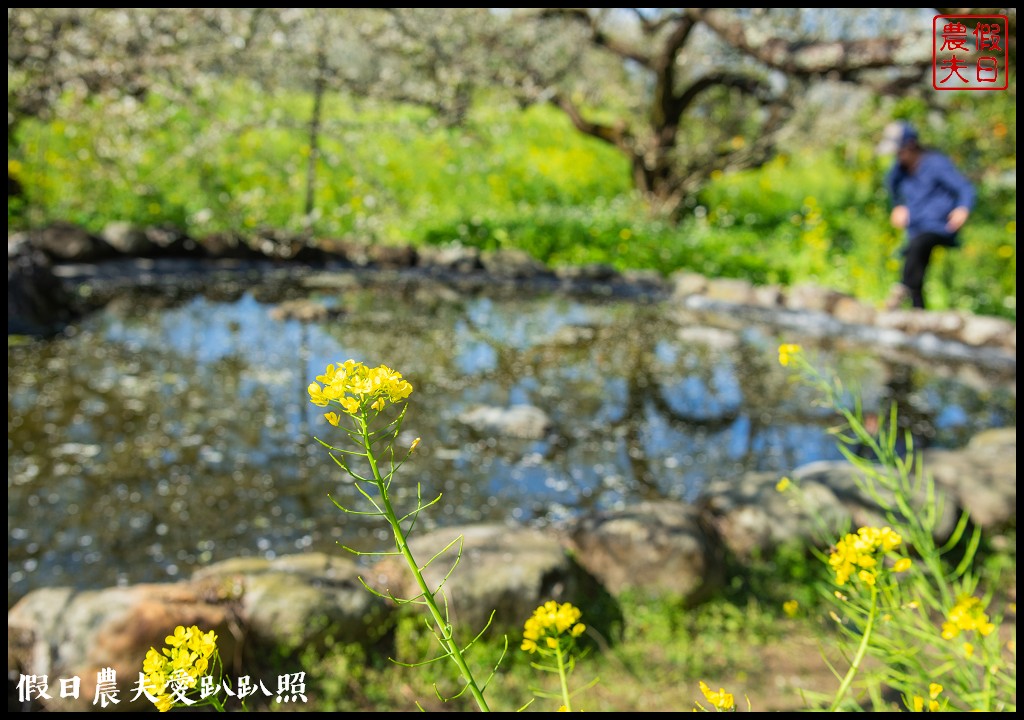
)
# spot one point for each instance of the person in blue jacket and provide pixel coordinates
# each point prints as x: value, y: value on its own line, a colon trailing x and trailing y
x: 931, y: 202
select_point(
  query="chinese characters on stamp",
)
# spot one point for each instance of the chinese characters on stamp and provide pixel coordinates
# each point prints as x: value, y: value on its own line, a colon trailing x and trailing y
x: 969, y: 52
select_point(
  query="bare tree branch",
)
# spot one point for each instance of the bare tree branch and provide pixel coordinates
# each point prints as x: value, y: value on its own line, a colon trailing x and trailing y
x: 616, y: 135
x: 651, y: 26
x: 597, y: 35
x: 666, y: 107
x: 805, y: 59
x: 750, y: 85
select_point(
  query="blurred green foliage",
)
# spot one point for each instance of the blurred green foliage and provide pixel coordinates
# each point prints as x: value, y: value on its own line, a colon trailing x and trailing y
x: 236, y: 159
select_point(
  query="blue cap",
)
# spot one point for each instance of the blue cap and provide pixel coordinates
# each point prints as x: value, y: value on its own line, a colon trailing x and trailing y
x: 895, y: 136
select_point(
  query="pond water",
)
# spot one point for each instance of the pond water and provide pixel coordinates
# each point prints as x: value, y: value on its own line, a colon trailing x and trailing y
x: 154, y: 437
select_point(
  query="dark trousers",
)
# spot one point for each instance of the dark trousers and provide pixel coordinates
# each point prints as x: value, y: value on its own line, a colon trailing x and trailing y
x: 915, y: 262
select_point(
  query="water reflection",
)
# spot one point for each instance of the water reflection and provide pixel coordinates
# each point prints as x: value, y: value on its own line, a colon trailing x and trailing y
x: 157, y: 437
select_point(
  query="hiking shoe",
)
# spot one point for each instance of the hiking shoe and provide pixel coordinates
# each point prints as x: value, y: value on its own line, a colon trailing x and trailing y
x: 897, y: 296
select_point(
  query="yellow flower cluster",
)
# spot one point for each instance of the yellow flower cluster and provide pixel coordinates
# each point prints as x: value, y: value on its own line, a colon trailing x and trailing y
x: 185, y: 659
x: 861, y: 552
x: 787, y: 352
x: 721, y: 699
x: 549, y: 622
x: 968, y: 614
x: 355, y: 387
x: 934, y: 690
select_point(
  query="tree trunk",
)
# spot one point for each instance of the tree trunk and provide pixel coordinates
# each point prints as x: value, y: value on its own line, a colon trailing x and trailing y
x: 655, y: 177
x: 319, y: 89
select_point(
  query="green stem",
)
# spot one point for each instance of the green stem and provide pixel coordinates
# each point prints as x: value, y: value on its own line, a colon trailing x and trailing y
x: 445, y: 629
x: 862, y: 650
x: 563, y: 678
x: 986, y: 684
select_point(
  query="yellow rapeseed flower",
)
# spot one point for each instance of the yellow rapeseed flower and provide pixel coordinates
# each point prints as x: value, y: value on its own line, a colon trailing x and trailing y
x: 858, y: 554
x: 917, y: 702
x: 551, y: 622
x: 967, y: 615
x: 790, y: 607
x: 721, y: 699
x: 185, y: 659
x: 787, y: 352
x: 355, y: 387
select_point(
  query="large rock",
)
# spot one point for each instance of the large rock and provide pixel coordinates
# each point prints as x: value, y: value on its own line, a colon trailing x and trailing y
x: 454, y: 257
x: 754, y: 519
x: 980, y: 330
x: 519, y: 421
x: 363, y: 254
x: 658, y: 548
x: 685, y: 283
x: 149, y: 242
x: 592, y: 272
x: 770, y: 296
x: 59, y: 633
x: 67, y: 242
x: 866, y: 495
x: 228, y: 245
x: 853, y: 312
x: 37, y: 302
x: 513, y: 264
x: 264, y: 612
x: 170, y: 241
x: 982, y: 478
x: 128, y: 239
x: 480, y: 569
x: 730, y: 290
x: 813, y: 298
x: 300, y: 601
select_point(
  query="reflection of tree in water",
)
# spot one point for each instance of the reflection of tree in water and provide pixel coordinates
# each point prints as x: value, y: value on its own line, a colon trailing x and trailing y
x: 646, y: 392
x: 901, y: 389
x: 604, y: 381
x: 913, y: 416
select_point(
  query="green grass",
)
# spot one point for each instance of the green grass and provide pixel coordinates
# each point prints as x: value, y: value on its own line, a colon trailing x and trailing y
x: 661, y: 645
